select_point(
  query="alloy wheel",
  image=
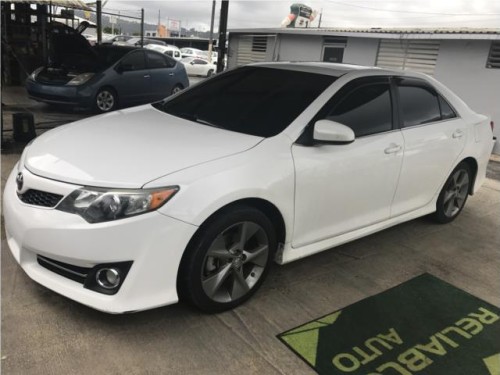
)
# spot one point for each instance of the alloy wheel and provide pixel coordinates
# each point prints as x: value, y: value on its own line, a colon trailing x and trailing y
x: 235, y: 262
x: 105, y: 100
x: 456, y: 193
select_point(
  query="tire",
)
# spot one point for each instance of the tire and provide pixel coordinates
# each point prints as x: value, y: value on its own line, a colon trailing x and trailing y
x: 210, y: 72
x: 106, y: 100
x: 222, y: 266
x: 176, y: 89
x: 454, y: 194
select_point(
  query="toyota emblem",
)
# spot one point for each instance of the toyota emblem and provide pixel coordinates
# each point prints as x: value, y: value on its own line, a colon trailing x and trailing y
x: 19, y: 181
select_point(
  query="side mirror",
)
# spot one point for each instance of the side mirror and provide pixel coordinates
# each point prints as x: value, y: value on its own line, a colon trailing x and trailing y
x: 326, y: 131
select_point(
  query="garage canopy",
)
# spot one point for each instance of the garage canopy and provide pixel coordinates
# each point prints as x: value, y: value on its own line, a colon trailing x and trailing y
x: 74, y: 4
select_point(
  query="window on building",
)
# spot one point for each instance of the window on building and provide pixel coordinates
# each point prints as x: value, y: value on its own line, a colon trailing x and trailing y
x: 366, y: 109
x: 419, y: 105
x: 494, y: 56
x: 333, y: 49
x: 259, y: 43
x: 417, y: 55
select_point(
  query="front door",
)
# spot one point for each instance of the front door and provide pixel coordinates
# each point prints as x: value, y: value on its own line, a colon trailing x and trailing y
x: 133, y: 81
x: 341, y: 188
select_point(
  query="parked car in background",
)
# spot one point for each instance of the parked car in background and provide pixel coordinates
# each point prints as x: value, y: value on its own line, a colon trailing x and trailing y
x: 193, y: 197
x: 169, y: 50
x: 137, y: 42
x: 199, y: 67
x: 192, y: 52
x: 214, y: 56
x: 103, y: 77
x: 118, y: 39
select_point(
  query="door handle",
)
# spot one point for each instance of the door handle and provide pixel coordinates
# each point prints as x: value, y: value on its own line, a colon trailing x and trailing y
x: 392, y: 149
x: 171, y: 74
x: 147, y: 76
x: 458, y: 134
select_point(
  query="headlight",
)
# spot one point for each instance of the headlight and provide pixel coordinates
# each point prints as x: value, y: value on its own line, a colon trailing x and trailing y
x: 35, y: 73
x: 80, y: 79
x: 99, y: 205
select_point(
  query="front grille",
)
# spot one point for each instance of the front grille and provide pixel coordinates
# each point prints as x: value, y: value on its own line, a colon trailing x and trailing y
x: 40, y: 198
x: 75, y: 273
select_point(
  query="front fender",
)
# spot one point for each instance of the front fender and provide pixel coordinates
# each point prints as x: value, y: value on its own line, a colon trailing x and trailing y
x: 265, y: 171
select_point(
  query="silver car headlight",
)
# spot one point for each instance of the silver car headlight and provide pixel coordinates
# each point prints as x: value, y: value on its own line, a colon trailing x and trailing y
x: 80, y: 79
x: 100, y: 205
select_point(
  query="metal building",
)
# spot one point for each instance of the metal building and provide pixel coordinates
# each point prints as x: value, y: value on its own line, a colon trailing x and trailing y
x: 466, y: 60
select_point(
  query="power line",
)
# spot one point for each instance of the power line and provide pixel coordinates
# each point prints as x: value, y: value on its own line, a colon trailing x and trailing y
x: 413, y: 12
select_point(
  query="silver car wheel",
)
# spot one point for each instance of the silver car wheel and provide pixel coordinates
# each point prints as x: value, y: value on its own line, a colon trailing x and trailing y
x: 456, y: 193
x: 234, y: 262
x: 176, y: 89
x: 105, y: 100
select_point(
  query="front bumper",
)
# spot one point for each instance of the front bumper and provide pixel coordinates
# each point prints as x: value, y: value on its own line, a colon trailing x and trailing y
x: 153, y: 242
x: 60, y: 94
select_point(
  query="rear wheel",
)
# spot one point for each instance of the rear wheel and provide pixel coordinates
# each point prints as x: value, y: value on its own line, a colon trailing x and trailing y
x: 176, y: 89
x: 106, y: 100
x: 454, y: 194
x: 210, y: 72
x: 228, y: 259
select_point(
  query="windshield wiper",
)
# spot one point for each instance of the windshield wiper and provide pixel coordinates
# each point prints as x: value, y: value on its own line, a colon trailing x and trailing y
x: 195, y: 118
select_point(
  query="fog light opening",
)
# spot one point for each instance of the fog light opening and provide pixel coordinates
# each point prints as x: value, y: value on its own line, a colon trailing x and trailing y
x: 108, y: 278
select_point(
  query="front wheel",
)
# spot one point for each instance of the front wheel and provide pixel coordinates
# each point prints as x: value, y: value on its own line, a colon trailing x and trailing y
x: 454, y: 194
x: 106, y: 100
x: 210, y: 72
x: 228, y: 260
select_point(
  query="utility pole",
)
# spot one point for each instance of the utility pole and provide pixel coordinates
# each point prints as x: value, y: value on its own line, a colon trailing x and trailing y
x: 224, y: 8
x: 159, y: 24
x: 211, y: 37
x: 142, y: 27
x: 320, y: 16
x: 98, y: 10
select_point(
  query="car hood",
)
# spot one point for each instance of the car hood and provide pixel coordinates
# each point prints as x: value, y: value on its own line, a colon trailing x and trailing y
x: 129, y: 148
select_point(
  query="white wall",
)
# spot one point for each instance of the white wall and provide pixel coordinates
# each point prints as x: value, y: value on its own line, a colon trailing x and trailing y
x: 300, y: 47
x: 361, y: 51
x: 461, y: 66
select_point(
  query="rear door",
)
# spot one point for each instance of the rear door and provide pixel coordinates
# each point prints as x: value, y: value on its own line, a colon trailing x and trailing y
x: 132, y: 81
x: 162, y: 71
x: 434, y: 137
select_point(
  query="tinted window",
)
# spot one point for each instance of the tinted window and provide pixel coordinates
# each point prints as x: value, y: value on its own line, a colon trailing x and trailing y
x: 366, y: 109
x: 134, y: 61
x: 446, y: 110
x: 252, y: 100
x: 155, y: 61
x: 419, y: 105
x: 200, y: 62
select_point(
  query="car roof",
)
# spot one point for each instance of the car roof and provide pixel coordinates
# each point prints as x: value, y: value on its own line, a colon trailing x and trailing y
x: 334, y: 69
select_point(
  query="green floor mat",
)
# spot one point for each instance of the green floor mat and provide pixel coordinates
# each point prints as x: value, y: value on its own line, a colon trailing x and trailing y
x: 423, y: 326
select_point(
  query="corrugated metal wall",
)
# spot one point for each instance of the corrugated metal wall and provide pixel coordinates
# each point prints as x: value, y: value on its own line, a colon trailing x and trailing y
x: 251, y: 49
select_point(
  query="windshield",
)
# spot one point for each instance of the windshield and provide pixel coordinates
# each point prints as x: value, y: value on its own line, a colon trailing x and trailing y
x: 252, y: 100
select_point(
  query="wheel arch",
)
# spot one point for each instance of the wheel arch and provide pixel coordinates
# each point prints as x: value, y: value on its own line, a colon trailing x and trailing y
x: 472, y: 163
x: 263, y: 205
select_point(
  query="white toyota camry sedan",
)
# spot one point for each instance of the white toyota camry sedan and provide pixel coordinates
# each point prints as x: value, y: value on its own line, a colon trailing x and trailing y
x: 194, y: 197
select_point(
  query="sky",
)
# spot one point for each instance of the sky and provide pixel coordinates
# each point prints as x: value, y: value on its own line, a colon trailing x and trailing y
x: 342, y: 13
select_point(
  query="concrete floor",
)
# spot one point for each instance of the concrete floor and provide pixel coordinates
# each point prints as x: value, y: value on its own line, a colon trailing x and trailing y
x: 44, y: 333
